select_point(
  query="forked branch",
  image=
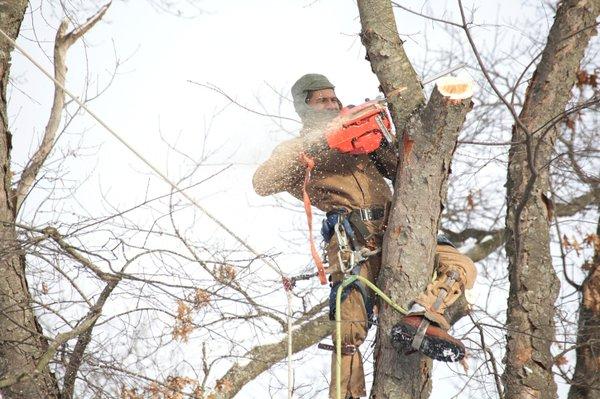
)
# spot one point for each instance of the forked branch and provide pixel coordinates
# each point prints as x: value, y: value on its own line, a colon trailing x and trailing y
x: 62, y: 44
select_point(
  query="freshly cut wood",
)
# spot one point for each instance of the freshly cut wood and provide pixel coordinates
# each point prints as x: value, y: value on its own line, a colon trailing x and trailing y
x: 455, y: 88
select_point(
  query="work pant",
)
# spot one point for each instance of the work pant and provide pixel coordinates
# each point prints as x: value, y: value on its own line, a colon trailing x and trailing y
x: 354, y: 317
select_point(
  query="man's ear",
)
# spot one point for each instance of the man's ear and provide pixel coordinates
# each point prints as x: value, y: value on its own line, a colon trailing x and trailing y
x: 309, y: 94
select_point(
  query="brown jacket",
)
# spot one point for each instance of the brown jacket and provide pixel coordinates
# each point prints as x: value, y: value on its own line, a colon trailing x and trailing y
x: 338, y: 180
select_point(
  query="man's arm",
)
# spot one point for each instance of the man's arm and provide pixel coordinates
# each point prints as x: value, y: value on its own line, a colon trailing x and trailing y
x: 282, y: 171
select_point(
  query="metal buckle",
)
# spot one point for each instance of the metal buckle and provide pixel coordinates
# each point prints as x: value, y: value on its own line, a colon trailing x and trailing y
x: 347, y: 349
x: 366, y: 214
x: 344, y: 248
x: 420, y: 334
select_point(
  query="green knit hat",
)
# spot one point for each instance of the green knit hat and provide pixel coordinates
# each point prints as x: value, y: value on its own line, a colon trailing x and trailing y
x: 304, y: 85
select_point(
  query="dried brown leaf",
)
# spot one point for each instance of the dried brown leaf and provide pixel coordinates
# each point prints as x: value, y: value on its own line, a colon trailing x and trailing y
x: 549, y: 206
x: 201, y: 298
x: 470, y: 201
x: 560, y: 360
x: 224, y: 385
x: 183, y: 322
x: 582, y: 78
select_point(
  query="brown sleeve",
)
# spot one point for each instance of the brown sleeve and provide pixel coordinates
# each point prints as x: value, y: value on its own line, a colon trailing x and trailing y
x: 282, y: 171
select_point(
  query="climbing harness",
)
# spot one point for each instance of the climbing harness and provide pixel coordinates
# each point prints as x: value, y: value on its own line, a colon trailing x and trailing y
x: 341, y: 223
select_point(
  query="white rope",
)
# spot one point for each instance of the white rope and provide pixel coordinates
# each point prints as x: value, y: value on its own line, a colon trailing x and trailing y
x: 175, y: 187
x: 289, y: 344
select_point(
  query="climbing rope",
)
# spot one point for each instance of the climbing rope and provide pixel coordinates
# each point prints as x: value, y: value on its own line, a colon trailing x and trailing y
x: 338, y: 322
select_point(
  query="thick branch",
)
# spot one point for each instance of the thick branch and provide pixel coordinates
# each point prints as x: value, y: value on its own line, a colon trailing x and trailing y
x: 52, y: 233
x: 427, y: 147
x: 61, y: 45
x: 83, y: 341
x: 586, y: 378
x: 458, y: 238
x: 489, y: 244
x: 263, y: 357
x: 578, y: 204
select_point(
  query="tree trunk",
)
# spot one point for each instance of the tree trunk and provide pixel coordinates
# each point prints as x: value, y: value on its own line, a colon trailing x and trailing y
x: 586, y: 379
x: 427, y: 136
x: 533, y: 283
x: 21, y: 339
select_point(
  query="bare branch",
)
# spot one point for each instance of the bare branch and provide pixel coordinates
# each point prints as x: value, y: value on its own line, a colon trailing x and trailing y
x: 62, y: 44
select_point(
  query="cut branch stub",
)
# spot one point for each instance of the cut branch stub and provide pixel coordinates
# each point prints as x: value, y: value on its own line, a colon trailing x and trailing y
x: 455, y: 88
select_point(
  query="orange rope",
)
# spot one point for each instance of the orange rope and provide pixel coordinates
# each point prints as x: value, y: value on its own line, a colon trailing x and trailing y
x: 310, y: 165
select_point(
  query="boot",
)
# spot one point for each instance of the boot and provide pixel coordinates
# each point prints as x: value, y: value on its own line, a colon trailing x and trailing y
x: 437, y: 343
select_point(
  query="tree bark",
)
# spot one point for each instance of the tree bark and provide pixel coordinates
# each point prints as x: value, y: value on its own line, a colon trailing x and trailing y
x: 533, y: 283
x: 427, y: 137
x: 21, y: 341
x: 586, y: 379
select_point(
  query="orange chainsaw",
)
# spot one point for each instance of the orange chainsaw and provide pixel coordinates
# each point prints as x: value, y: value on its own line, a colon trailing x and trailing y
x: 360, y: 129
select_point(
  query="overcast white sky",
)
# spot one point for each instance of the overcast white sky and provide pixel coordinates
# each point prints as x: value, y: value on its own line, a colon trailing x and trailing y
x: 241, y: 46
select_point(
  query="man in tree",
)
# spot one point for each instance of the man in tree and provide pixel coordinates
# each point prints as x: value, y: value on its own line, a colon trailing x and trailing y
x: 352, y: 190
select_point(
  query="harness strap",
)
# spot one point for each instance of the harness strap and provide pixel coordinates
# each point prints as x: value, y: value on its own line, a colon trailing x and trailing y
x: 310, y: 165
x: 357, y: 285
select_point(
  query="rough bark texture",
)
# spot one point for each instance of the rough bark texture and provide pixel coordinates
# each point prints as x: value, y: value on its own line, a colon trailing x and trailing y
x: 21, y: 340
x: 427, y: 136
x: 398, y: 79
x: 533, y: 283
x: 586, y: 379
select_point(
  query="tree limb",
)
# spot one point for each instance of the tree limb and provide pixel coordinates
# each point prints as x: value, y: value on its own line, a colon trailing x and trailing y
x: 83, y: 341
x: 263, y: 357
x: 62, y: 44
x: 534, y: 286
x: 427, y: 136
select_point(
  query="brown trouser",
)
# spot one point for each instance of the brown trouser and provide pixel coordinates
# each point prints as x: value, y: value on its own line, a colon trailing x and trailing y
x: 354, y: 319
x: 354, y: 313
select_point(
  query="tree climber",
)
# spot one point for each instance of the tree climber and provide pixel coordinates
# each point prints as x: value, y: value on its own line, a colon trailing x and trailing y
x: 352, y: 190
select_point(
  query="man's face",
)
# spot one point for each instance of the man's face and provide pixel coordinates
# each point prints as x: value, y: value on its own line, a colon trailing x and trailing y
x: 323, y: 100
